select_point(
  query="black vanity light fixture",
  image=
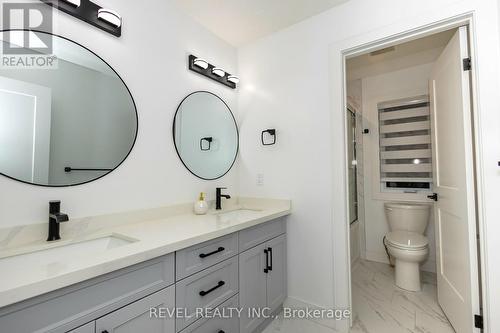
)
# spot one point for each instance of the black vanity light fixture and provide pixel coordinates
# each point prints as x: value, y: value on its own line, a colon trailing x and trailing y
x: 201, y: 66
x: 271, y: 132
x: 85, y: 10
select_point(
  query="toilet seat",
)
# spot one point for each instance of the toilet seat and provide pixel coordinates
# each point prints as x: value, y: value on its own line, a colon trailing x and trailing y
x: 406, y: 240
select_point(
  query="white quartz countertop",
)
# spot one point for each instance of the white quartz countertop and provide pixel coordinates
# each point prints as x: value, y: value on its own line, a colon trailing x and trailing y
x: 154, y: 233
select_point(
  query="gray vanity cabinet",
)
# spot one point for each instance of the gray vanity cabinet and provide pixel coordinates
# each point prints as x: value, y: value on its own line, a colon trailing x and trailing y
x: 88, y: 328
x: 135, y: 317
x: 276, y: 278
x: 253, y: 294
x: 262, y: 281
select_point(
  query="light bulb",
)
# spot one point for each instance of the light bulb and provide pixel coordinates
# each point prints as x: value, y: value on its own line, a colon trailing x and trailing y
x: 75, y: 3
x: 202, y: 63
x: 233, y: 78
x: 110, y: 16
x: 218, y: 71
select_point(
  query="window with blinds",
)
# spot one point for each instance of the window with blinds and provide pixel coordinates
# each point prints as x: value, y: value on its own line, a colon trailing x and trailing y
x: 405, y: 145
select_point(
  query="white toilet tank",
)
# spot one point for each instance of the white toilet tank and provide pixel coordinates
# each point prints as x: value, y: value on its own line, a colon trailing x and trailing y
x: 412, y: 217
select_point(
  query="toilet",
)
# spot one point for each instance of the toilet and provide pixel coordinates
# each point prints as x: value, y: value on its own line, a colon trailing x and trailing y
x: 406, y: 242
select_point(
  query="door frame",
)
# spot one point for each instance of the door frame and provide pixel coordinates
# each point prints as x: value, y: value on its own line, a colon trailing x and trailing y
x: 341, y: 249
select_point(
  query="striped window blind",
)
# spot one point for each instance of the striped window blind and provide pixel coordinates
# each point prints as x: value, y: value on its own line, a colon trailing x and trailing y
x: 405, y: 145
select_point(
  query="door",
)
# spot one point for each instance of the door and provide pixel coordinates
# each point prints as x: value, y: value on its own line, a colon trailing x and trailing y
x: 276, y: 277
x: 253, y: 293
x: 135, y: 317
x: 87, y: 328
x: 25, y: 116
x: 457, y: 268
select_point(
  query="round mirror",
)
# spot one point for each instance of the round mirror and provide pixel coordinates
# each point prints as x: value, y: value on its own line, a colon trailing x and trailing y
x: 66, y: 117
x: 205, y: 135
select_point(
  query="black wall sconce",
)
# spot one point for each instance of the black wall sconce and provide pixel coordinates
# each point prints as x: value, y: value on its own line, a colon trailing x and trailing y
x: 272, y: 133
x: 202, y: 67
x: 207, y: 139
x: 85, y: 10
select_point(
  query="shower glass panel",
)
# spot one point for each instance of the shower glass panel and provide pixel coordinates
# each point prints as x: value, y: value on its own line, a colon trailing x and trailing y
x: 352, y: 166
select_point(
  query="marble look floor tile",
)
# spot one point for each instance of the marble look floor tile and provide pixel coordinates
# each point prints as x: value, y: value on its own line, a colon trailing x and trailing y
x: 428, y: 278
x: 381, y: 307
x: 358, y: 327
x: 282, y: 325
x: 428, y: 324
x: 382, y: 317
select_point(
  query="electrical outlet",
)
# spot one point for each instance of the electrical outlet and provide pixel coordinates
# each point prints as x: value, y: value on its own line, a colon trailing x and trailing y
x: 260, y: 179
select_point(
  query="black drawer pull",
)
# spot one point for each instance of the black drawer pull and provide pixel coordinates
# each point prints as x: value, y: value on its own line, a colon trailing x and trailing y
x: 105, y: 331
x: 220, y: 284
x: 266, y: 269
x: 221, y: 331
x: 270, y: 251
x: 204, y: 255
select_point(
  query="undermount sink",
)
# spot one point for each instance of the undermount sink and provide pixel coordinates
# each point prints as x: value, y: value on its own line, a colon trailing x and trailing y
x: 61, y: 252
x: 238, y: 213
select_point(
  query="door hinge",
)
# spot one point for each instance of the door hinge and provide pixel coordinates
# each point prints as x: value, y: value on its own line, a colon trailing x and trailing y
x: 467, y: 64
x: 478, y: 321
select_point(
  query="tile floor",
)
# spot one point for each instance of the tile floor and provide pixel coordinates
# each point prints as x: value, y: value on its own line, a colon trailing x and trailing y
x: 381, y: 307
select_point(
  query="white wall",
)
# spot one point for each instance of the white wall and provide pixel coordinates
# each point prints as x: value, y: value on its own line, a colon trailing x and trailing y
x: 293, y: 80
x: 151, y: 57
x: 409, y: 82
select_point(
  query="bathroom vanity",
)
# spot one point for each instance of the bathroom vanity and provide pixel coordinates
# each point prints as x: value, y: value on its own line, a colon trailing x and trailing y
x: 136, y: 272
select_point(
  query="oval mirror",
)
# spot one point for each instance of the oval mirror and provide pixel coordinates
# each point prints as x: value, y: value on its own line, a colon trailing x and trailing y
x: 62, y: 122
x: 205, y: 135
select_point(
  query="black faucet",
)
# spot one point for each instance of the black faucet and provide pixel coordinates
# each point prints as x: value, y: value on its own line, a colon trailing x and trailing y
x: 55, y: 217
x: 218, y: 196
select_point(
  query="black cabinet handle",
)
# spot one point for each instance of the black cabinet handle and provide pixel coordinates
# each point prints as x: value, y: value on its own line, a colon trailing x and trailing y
x: 270, y: 251
x: 105, y: 331
x: 221, y: 331
x: 204, y: 255
x: 266, y: 269
x: 220, y: 284
x: 433, y: 196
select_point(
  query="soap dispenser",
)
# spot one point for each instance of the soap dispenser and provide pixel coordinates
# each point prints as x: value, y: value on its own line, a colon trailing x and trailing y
x: 201, y: 206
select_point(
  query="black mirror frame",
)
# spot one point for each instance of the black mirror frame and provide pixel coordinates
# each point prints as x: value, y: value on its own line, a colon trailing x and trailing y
x: 126, y: 87
x: 235, y: 125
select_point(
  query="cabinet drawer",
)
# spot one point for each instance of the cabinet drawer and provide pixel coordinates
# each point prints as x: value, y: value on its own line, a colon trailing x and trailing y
x: 142, y: 316
x: 73, y: 306
x: 88, y: 328
x: 229, y: 323
x: 254, y: 236
x: 201, y: 256
x: 208, y: 288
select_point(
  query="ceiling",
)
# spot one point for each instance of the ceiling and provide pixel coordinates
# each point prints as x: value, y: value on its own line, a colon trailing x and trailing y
x: 417, y: 52
x: 243, y: 21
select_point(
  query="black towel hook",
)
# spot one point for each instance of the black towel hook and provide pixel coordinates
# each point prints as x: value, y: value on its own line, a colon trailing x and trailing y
x: 270, y: 131
x: 209, y: 139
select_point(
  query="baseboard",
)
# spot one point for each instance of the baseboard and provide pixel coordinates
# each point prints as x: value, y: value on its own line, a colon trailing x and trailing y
x: 268, y: 321
x: 295, y: 303
x: 428, y: 266
x: 355, y: 263
x: 377, y: 257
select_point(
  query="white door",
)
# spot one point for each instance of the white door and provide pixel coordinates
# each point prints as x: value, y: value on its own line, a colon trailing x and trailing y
x: 25, y: 115
x: 457, y: 268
